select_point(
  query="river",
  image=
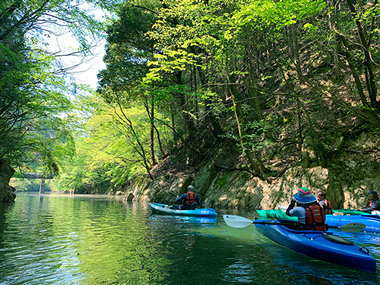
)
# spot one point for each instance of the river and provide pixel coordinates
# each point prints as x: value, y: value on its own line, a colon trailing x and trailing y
x: 80, y: 239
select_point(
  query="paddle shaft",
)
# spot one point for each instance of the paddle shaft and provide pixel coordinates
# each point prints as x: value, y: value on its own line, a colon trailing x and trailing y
x: 357, y: 225
x: 277, y: 223
x: 171, y: 193
x: 241, y: 222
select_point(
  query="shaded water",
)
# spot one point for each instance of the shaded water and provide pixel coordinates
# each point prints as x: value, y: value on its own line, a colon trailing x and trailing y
x: 99, y: 240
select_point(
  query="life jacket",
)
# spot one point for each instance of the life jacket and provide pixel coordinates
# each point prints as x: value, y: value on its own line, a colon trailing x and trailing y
x: 315, y: 218
x: 190, y: 198
x: 327, y: 207
x: 372, y: 203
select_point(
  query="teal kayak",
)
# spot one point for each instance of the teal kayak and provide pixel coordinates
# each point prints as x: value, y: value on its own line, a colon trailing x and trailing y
x: 280, y: 214
x: 350, y: 212
x: 337, y: 211
x: 183, y: 219
x: 164, y: 209
x: 275, y: 214
x: 320, y: 245
x: 372, y: 222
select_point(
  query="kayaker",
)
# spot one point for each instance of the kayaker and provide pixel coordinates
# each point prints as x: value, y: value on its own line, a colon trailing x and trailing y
x: 311, y: 215
x: 189, y: 200
x: 325, y: 204
x: 373, y: 203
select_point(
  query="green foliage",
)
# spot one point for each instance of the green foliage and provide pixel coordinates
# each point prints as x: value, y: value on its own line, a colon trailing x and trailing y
x: 128, y: 50
x: 263, y: 73
x: 33, y: 100
x: 34, y: 125
x: 107, y: 154
x: 28, y: 185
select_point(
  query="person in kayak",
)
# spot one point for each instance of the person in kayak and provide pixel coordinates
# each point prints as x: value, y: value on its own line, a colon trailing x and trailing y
x: 325, y: 204
x: 189, y: 200
x: 311, y: 215
x: 373, y: 203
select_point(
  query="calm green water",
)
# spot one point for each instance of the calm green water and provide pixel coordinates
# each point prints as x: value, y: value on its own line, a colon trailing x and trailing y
x: 99, y: 240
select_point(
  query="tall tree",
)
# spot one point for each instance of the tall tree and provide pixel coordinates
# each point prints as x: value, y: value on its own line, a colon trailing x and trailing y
x: 32, y: 90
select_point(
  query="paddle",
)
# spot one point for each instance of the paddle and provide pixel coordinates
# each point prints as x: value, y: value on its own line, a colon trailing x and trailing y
x: 240, y: 222
x: 170, y: 193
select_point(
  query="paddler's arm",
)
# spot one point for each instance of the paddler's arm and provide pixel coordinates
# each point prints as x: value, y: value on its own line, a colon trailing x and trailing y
x: 180, y: 198
x: 198, y: 202
x: 291, y: 206
x: 375, y: 207
x: 366, y: 210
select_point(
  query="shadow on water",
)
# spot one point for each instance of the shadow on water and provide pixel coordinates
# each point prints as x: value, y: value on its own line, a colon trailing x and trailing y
x: 4, y: 208
x: 214, y: 253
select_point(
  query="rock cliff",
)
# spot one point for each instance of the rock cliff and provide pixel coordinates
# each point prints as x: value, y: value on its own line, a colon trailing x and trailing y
x: 238, y: 189
x: 347, y: 180
x: 6, y: 172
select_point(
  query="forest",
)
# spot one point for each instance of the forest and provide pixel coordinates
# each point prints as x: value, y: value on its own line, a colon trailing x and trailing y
x: 254, y: 81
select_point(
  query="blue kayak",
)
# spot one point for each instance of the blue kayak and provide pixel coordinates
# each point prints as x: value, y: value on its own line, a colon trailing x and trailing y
x: 372, y: 222
x: 164, y: 209
x: 320, y: 245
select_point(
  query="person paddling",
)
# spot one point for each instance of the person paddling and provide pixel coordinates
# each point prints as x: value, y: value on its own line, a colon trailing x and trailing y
x: 189, y: 200
x: 311, y: 215
x: 325, y: 204
x: 373, y: 203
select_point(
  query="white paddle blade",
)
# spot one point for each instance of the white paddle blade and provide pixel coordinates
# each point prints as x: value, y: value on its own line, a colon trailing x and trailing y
x: 282, y: 208
x: 236, y: 221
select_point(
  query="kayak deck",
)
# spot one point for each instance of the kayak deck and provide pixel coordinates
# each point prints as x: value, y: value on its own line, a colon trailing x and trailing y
x: 164, y: 209
x: 316, y: 245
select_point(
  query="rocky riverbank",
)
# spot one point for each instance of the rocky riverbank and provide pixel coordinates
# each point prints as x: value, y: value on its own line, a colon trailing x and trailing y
x: 346, y: 182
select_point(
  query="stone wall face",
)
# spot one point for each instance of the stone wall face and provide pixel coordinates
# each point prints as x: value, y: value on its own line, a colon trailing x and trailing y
x: 237, y: 189
x: 6, y: 172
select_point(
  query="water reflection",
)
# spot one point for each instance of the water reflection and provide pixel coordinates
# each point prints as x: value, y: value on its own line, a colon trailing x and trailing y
x: 182, y: 219
x: 99, y: 240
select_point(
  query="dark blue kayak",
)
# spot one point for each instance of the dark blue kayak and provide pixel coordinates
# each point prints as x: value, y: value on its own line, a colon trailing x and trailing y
x: 349, y: 212
x: 164, y: 209
x: 320, y: 245
x: 372, y: 222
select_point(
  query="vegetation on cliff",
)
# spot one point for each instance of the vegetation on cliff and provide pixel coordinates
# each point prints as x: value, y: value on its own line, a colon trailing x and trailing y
x: 253, y: 85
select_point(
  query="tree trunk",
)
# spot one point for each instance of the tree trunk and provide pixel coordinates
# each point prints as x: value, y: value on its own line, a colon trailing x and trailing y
x: 189, y: 122
x: 370, y: 78
x: 332, y: 22
x: 42, y: 186
x: 255, y: 162
x: 154, y: 162
x: 252, y: 88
